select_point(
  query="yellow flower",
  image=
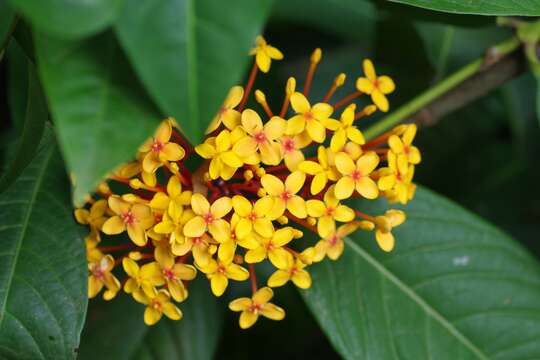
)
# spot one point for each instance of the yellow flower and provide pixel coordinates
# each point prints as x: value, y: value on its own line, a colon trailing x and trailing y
x: 284, y: 195
x: 346, y: 131
x: 321, y: 171
x: 264, y: 54
x: 159, y: 149
x: 226, y: 114
x: 332, y: 244
x: 293, y: 270
x: 328, y: 211
x: 221, y: 270
x: 223, y: 160
x: 384, y: 225
x: 309, y: 118
x: 158, y: 305
x: 376, y: 86
x: 199, y: 247
x: 252, y: 217
x: 140, y: 277
x: 290, y: 149
x: 272, y: 248
x: 258, y: 305
x: 356, y: 176
x: 174, y: 225
x: 392, y: 181
x: 402, y: 147
x: 100, y: 275
x: 172, y: 274
x: 136, y: 218
x: 174, y: 200
x: 261, y: 138
x: 209, y: 218
x: 94, y: 218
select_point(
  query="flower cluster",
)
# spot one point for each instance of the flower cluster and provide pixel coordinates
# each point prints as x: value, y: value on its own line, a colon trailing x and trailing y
x: 265, y: 179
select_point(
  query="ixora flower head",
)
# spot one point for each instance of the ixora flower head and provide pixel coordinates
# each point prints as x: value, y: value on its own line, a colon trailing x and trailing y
x: 266, y: 178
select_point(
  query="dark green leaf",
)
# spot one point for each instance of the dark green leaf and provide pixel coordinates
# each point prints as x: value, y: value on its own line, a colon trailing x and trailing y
x: 17, y: 85
x: 43, y: 267
x: 34, y: 122
x: 194, y: 337
x: 101, y: 112
x: 485, y: 7
x: 69, y: 19
x: 196, y: 50
x: 7, y: 21
x: 454, y: 288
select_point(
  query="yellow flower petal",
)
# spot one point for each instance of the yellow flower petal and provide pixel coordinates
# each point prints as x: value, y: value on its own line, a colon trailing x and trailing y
x: 151, y: 316
x: 344, y: 188
x: 251, y: 122
x: 302, y: 279
x: 220, y: 230
x: 310, y: 167
x: 263, y: 61
x: 221, y: 207
x: 316, y: 131
x: 385, y: 240
x: 344, y: 164
x: 369, y: 70
x: 218, y: 284
x: 279, y: 278
x: 195, y: 227
x: 343, y: 213
x: 172, y: 152
x: 255, y: 256
x: 247, y: 319
x: 299, y: 103
x: 364, y: 85
x: 171, y: 311
x: 272, y: 185
x: 263, y: 227
x: 273, y: 312
x: 386, y: 84
x: 297, y: 206
x: 315, y: 208
x: 199, y: 204
x: 318, y: 183
x: 294, y: 182
x: 296, y: 125
x: 240, y: 304
x: 263, y: 295
x: 367, y: 188
x: 380, y: 100
x: 113, y: 226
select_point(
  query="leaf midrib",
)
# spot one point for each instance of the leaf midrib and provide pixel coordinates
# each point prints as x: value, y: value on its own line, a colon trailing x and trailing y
x: 26, y: 221
x: 428, y: 309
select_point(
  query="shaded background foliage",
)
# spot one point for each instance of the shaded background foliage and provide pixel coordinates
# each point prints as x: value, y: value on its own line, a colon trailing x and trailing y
x: 483, y: 156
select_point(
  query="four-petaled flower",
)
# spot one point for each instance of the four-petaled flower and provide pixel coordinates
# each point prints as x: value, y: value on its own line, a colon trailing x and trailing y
x: 312, y: 119
x: 258, y: 305
x: 264, y: 54
x: 376, y: 86
x: 160, y: 149
x: 135, y: 218
x: 209, y: 218
x: 284, y: 195
x: 356, y: 176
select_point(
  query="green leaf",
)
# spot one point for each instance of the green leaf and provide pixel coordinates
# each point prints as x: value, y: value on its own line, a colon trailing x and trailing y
x: 43, y: 272
x: 485, y: 7
x: 101, y: 112
x: 195, y: 337
x: 34, y: 123
x: 7, y: 22
x: 454, y: 288
x: 67, y: 18
x: 196, y: 50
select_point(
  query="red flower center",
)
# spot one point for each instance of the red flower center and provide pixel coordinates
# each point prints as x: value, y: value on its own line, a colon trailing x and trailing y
x: 260, y: 137
x: 208, y: 218
x: 288, y: 145
x: 157, y: 146
x: 128, y: 218
x: 356, y: 175
x: 286, y: 195
x: 168, y: 273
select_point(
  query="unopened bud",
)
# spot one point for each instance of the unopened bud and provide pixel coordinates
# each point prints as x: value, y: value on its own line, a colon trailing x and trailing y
x: 290, y: 88
x: 340, y: 79
x: 260, y: 172
x: 370, y: 109
x: 212, y: 249
x: 248, y: 175
x: 311, y: 221
x: 135, y: 255
x: 297, y: 234
x: 282, y: 220
x: 261, y: 192
x: 316, y: 56
x: 136, y: 184
x: 260, y: 97
x: 238, y: 259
